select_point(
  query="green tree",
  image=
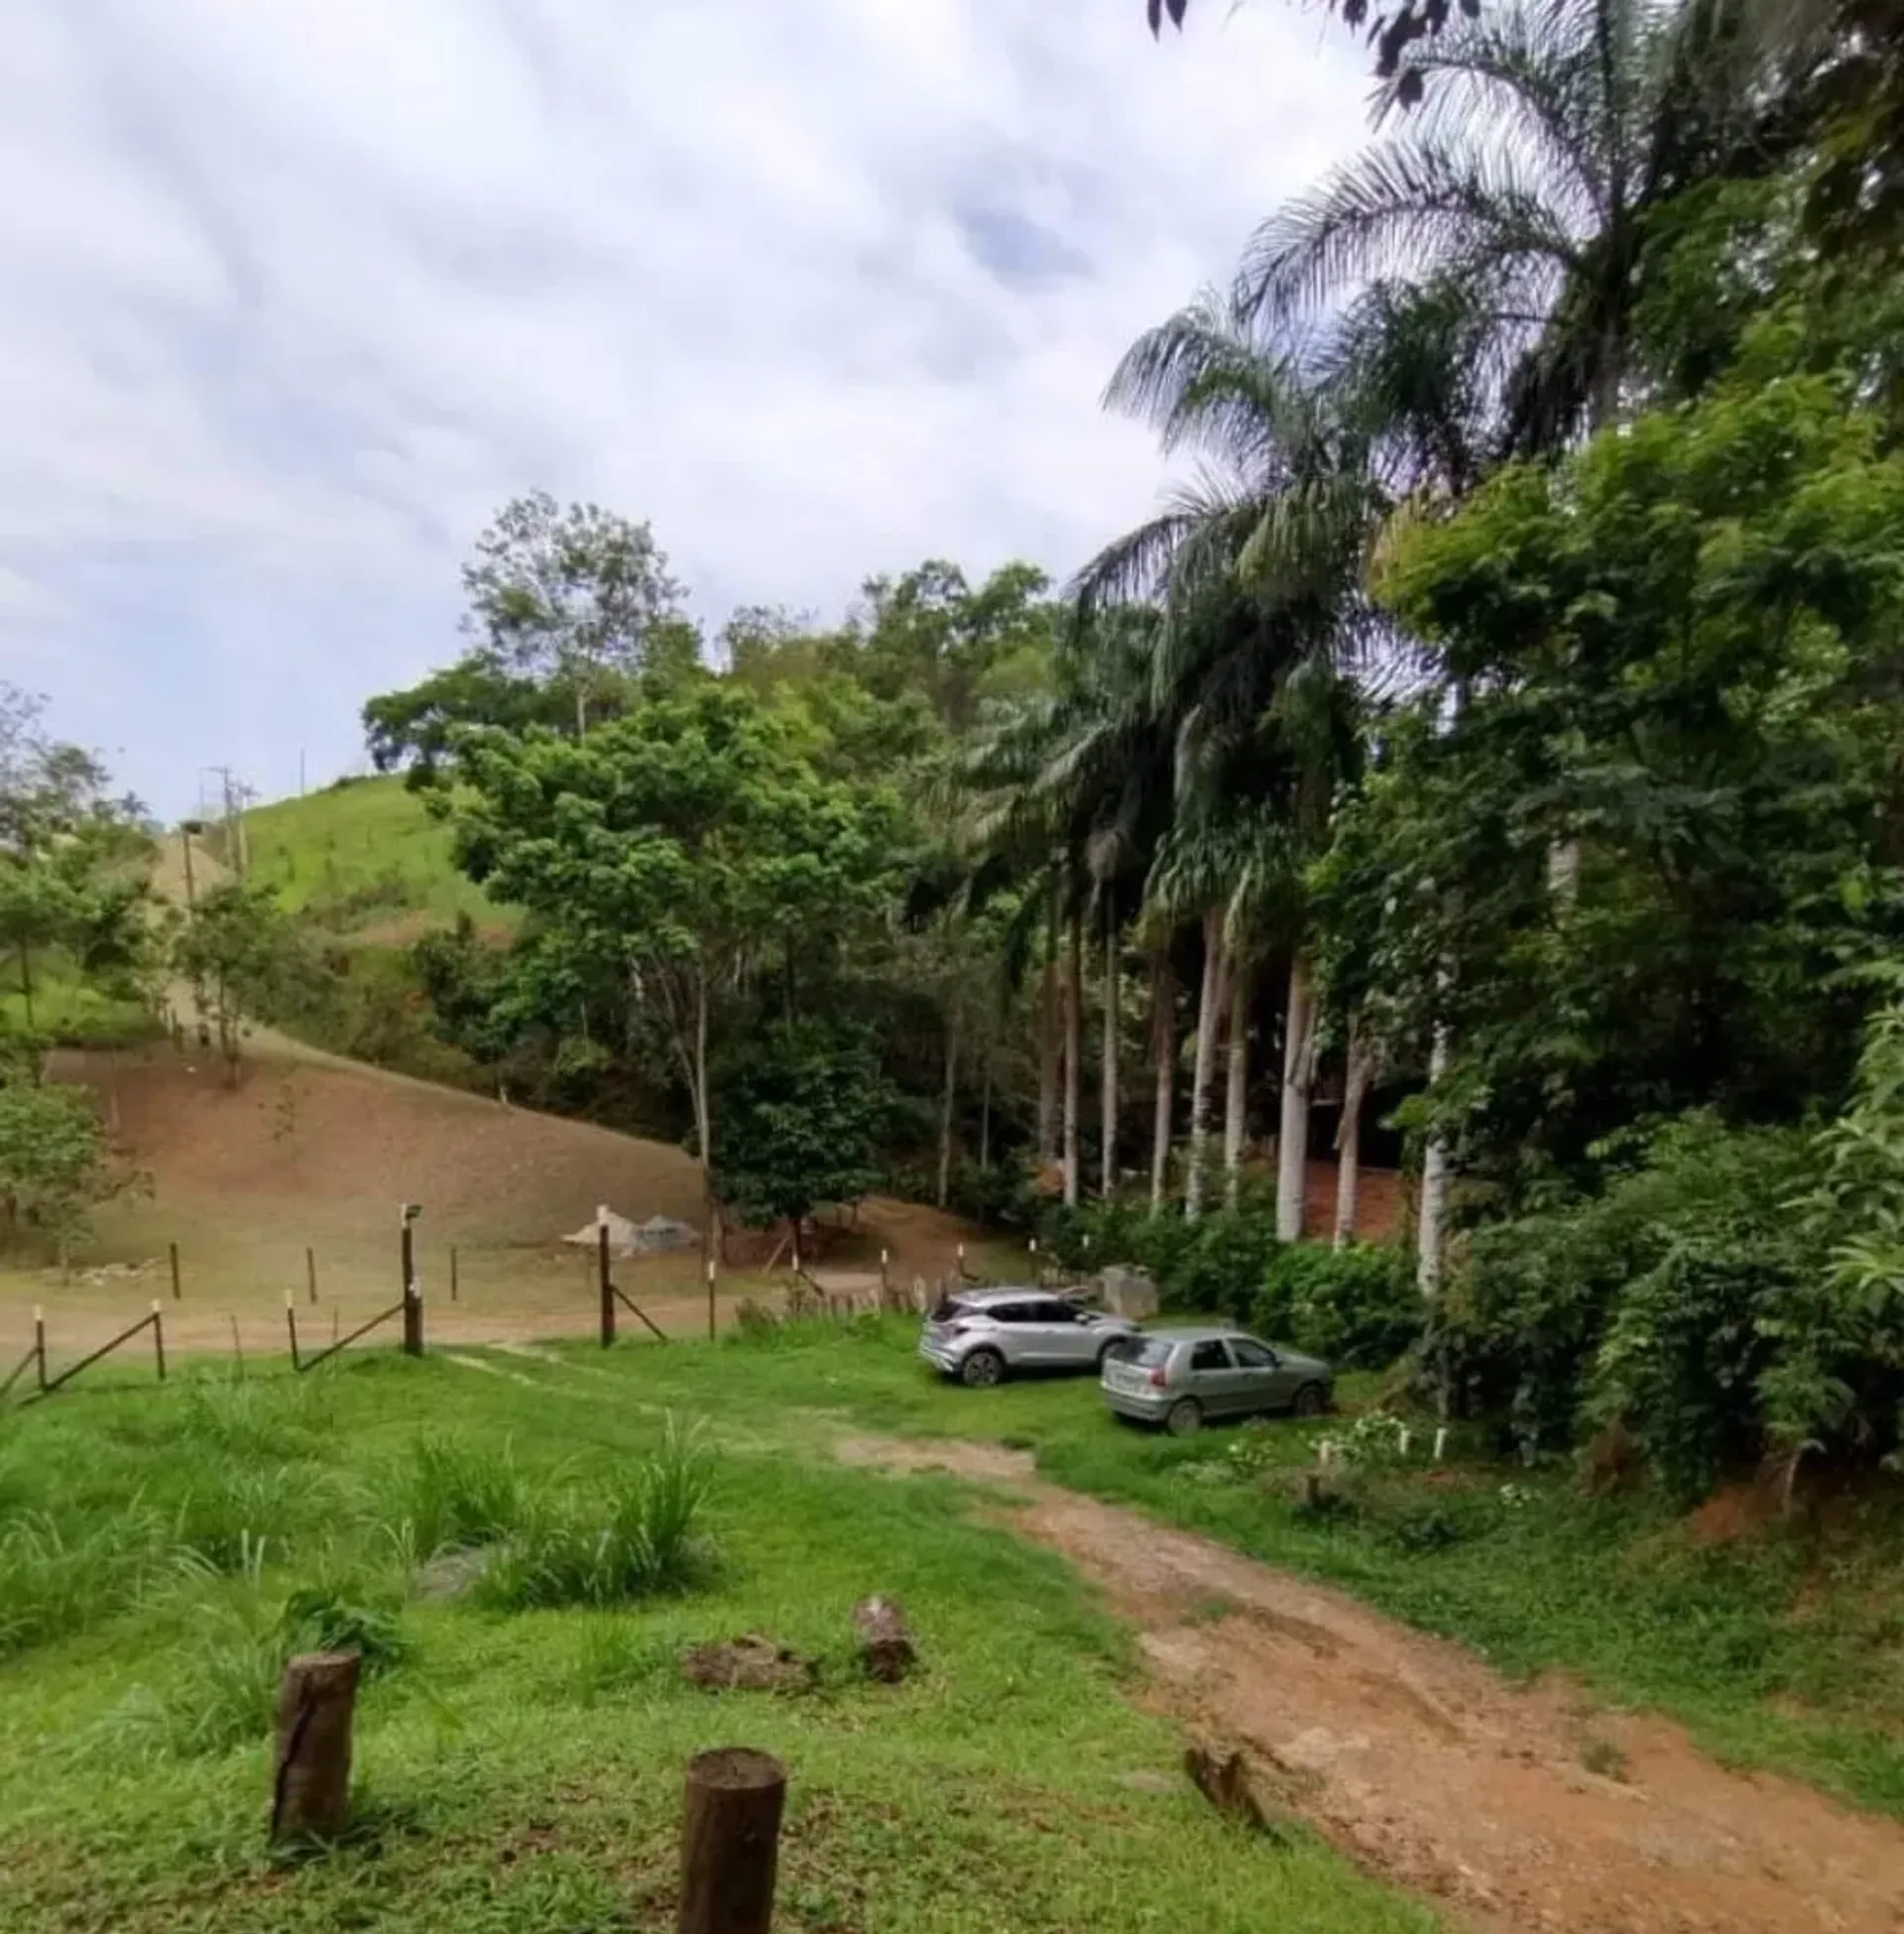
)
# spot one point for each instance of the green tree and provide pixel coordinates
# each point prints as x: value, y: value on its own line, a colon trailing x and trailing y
x: 56, y: 1165
x: 571, y: 597
x: 672, y: 851
x: 244, y: 958
x: 801, y: 1110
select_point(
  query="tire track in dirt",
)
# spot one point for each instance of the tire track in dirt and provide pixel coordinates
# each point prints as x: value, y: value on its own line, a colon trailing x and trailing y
x: 1426, y: 1767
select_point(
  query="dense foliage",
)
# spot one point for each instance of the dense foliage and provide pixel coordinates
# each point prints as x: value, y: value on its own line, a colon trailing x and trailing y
x: 1485, y: 763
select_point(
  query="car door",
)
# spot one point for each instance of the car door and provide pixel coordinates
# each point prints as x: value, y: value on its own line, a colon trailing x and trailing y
x: 1052, y: 1334
x: 1262, y: 1380
x: 1212, y: 1377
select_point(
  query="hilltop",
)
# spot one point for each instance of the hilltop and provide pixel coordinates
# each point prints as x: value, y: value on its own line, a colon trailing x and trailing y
x: 365, y: 854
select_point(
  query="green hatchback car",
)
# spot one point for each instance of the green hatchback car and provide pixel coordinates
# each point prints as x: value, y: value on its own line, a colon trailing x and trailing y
x: 1184, y: 1377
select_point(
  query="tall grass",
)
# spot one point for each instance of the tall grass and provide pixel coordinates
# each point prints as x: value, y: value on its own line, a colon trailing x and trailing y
x: 56, y: 1577
x: 634, y: 1537
x: 450, y: 1493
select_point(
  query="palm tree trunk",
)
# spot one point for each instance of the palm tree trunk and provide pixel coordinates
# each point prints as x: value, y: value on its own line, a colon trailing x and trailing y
x: 1355, y: 1091
x: 1073, y: 1053
x: 1292, y: 1133
x: 1209, y: 1004
x: 1434, y: 1184
x: 946, y: 1105
x: 1048, y: 1041
x: 1163, y: 1052
x: 1236, y: 1096
x: 1108, y: 1106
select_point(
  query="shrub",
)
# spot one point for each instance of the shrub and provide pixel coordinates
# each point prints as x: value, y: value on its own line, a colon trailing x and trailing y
x: 635, y: 1539
x: 451, y: 1493
x: 54, y: 1581
x: 1354, y: 1306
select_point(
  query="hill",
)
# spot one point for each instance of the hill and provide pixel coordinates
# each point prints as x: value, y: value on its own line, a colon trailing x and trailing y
x: 367, y: 855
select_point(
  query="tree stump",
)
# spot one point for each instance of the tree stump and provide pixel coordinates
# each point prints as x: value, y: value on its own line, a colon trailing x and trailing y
x: 311, y: 1789
x: 886, y: 1641
x: 730, y: 1842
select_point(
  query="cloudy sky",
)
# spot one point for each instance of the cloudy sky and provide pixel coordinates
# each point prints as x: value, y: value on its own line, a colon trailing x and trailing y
x: 297, y: 292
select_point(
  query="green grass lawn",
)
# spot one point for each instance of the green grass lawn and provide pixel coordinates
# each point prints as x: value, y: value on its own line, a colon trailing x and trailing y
x: 521, y: 1768
x: 368, y: 848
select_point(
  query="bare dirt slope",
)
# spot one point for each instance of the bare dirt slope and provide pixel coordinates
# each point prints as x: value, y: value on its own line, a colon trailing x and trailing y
x: 1425, y: 1766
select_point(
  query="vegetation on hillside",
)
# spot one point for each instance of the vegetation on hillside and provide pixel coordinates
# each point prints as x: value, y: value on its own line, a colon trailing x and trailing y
x: 1487, y: 761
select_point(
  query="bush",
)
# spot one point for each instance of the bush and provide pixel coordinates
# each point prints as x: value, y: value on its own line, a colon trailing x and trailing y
x: 452, y: 1494
x: 1354, y: 1306
x: 1654, y: 1303
x: 633, y: 1540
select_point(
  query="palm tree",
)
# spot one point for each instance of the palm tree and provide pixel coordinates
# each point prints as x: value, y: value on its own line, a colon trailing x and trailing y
x: 1523, y: 188
x: 1258, y: 562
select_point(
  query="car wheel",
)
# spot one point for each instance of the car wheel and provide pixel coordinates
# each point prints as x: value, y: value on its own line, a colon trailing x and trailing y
x: 980, y: 1370
x: 1185, y: 1417
x: 1311, y: 1400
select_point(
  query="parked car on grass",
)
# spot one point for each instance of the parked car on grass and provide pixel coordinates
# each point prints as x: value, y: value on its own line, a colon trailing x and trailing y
x: 1182, y: 1378
x: 982, y: 1336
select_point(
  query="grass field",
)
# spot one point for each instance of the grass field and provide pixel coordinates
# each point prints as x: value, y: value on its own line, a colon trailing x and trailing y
x: 368, y: 851
x: 520, y: 1761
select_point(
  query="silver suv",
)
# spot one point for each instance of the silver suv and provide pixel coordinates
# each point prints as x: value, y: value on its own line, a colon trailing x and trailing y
x: 981, y: 1336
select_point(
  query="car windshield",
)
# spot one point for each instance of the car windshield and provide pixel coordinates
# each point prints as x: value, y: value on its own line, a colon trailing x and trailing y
x: 1147, y: 1351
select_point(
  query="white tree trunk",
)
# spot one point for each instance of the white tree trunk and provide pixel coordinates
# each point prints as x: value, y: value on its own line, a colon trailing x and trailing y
x: 1163, y: 1048
x: 1355, y: 1091
x: 1292, y: 1133
x: 946, y: 1105
x: 1209, y: 1006
x: 1073, y: 1054
x: 1235, y: 1094
x: 1109, y: 1098
x: 1433, y: 1185
x: 1048, y: 1034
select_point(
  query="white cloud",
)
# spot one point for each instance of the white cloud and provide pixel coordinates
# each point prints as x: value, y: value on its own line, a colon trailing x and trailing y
x: 298, y: 293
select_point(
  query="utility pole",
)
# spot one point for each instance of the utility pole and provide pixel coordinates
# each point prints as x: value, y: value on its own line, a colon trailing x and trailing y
x: 235, y: 792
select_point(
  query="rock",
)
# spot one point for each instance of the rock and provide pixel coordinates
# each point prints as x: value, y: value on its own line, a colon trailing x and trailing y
x: 450, y: 1574
x: 886, y: 1641
x: 1130, y: 1293
x: 751, y: 1663
x: 1236, y: 1785
x: 1147, y: 1779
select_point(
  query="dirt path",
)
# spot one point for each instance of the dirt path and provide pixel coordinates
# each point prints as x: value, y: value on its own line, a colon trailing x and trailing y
x: 1426, y: 1767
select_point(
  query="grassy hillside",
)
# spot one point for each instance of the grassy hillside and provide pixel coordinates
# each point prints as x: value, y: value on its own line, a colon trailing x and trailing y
x: 367, y: 852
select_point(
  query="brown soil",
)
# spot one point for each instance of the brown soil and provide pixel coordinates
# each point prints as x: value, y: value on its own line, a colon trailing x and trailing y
x: 1426, y: 1767
x: 314, y: 1153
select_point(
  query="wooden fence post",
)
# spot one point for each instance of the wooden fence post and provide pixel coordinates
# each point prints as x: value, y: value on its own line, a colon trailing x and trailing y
x: 311, y: 1274
x: 158, y: 1337
x: 311, y: 1787
x: 290, y: 1323
x: 603, y: 1279
x: 452, y: 1272
x: 40, y: 1344
x: 413, y: 1302
x: 711, y: 1319
x: 177, y: 1290
x: 730, y: 1842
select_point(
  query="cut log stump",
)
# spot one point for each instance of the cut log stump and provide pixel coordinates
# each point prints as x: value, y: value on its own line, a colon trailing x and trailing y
x: 887, y: 1649
x: 730, y: 1842
x: 310, y: 1789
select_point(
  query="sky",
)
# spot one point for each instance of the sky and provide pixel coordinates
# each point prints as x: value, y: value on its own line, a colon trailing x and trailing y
x: 298, y: 293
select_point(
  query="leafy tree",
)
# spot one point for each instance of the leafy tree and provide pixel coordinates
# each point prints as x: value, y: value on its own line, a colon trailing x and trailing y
x: 568, y: 596
x: 244, y: 958
x: 55, y: 1161
x: 414, y: 727
x: 801, y: 1112
x: 672, y: 851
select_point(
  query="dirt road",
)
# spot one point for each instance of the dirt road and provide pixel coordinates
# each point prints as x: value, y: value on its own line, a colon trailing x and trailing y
x: 1427, y: 1769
